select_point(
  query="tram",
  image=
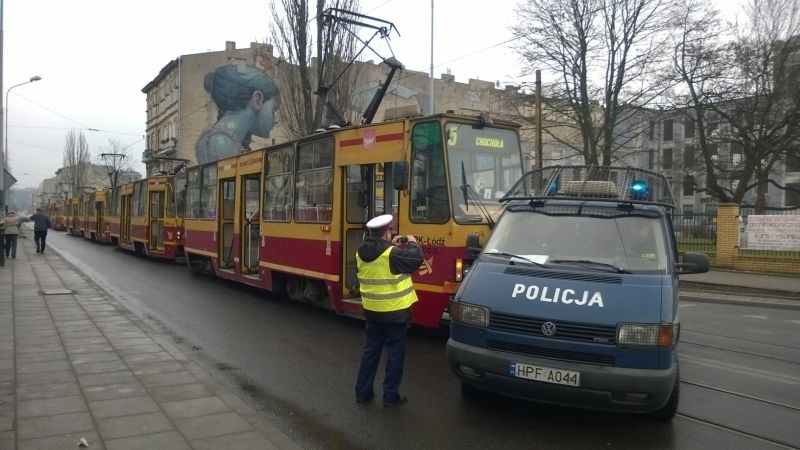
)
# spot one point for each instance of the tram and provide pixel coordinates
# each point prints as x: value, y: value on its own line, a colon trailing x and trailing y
x: 74, y: 216
x: 291, y: 217
x: 143, y: 216
x: 93, y: 223
x: 55, y: 211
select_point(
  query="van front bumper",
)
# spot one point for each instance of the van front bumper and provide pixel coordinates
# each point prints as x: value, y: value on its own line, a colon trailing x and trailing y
x: 601, y: 387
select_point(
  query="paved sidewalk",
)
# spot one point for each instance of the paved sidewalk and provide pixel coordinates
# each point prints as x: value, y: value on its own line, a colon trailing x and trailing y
x: 76, y: 364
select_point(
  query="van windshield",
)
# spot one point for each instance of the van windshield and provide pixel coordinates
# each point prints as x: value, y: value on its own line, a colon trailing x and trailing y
x: 631, y: 243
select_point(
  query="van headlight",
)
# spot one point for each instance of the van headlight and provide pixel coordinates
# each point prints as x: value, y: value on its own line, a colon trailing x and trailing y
x: 476, y: 316
x: 648, y: 335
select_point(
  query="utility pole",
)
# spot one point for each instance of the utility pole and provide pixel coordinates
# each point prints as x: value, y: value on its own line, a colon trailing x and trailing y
x: 430, y: 88
x: 539, y: 162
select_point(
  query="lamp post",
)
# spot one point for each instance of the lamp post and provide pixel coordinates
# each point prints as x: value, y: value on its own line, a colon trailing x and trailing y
x: 5, y: 146
x: 4, y: 159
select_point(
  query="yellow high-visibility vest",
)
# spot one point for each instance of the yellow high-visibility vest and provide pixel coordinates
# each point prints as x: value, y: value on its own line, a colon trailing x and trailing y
x: 381, y: 290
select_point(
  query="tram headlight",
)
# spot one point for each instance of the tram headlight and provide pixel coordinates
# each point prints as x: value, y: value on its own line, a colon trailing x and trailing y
x: 477, y: 316
x: 648, y: 335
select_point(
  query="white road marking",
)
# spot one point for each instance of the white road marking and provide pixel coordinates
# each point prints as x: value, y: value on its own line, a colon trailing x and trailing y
x: 753, y: 316
x: 723, y: 365
x: 686, y: 305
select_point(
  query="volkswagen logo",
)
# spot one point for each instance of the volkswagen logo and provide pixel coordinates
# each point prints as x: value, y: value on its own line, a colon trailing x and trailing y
x: 549, y: 328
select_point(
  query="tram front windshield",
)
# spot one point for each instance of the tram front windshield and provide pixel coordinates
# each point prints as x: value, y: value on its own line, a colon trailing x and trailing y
x: 490, y: 162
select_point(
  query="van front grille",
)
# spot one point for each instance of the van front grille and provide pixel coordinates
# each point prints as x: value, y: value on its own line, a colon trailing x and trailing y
x: 549, y: 353
x: 532, y: 326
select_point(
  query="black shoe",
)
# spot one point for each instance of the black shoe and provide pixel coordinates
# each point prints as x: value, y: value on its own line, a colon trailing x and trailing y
x: 402, y: 400
x: 365, y: 399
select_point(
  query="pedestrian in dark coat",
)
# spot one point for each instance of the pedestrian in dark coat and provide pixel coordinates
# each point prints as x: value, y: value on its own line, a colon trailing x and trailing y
x: 40, y: 225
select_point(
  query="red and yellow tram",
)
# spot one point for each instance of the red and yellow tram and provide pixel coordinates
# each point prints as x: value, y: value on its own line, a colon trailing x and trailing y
x: 143, y: 217
x: 291, y: 217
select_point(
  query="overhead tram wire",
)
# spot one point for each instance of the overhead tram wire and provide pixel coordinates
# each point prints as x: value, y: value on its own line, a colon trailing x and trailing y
x: 83, y: 125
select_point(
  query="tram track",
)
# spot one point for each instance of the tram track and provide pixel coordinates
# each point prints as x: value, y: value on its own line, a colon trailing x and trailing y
x: 757, y: 436
x: 743, y: 395
x: 717, y: 423
x: 740, y: 352
x: 755, y: 341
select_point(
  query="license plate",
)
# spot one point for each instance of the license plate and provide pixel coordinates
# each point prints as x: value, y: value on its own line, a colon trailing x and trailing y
x: 544, y: 374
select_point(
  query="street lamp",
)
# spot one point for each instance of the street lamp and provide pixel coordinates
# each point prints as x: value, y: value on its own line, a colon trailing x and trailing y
x: 5, y: 146
x: 4, y: 156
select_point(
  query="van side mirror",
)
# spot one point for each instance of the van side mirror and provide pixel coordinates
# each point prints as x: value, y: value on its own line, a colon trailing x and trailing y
x: 473, y: 244
x: 694, y: 263
x: 400, y: 175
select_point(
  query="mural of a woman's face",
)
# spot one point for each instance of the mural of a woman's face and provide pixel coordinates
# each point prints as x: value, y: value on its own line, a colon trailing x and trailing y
x: 265, y: 119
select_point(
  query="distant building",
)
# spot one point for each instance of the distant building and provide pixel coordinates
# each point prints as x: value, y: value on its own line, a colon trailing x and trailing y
x: 59, y: 187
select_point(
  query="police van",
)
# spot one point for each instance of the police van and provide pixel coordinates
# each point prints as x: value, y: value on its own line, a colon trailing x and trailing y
x: 573, y: 299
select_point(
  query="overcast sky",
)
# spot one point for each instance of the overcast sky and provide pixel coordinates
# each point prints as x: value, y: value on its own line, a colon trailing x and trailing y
x: 95, y: 56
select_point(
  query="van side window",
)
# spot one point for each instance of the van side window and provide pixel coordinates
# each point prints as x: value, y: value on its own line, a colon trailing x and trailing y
x: 429, y: 188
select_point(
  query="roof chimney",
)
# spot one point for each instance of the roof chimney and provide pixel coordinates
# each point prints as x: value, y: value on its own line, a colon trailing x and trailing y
x: 230, y: 46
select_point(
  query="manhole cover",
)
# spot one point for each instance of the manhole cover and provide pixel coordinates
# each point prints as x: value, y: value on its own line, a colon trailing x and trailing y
x: 56, y: 291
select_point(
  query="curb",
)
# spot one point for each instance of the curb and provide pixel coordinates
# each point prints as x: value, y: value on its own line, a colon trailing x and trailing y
x: 739, y: 290
x: 747, y: 300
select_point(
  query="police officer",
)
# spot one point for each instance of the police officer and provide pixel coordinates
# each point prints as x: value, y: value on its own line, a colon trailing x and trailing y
x: 384, y: 268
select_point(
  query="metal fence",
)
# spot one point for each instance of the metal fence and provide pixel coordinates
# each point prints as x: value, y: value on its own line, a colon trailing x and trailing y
x: 696, y: 232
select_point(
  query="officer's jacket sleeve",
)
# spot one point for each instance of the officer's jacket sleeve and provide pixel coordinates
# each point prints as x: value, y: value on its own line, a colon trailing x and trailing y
x: 406, y: 260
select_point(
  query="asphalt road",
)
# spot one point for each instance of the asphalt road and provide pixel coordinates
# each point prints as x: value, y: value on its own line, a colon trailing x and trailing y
x: 740, y: 370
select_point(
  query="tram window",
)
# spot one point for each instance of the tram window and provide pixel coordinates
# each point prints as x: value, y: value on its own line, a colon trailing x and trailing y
x: 314, y: 182
x: 193, y: 185
x: 208, y: 193
x: 179, y: 184
x: 429, y: 189
x: 278, y: 185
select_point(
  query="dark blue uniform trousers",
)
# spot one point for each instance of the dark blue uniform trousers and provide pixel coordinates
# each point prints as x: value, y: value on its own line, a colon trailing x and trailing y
x: 393, y: 337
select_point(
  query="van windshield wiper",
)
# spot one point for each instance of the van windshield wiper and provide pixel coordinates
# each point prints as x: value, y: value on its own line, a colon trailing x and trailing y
x: 587, y: 262
x: 511, y: 255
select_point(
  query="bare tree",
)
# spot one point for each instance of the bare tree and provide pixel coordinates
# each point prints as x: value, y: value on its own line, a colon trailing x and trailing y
x: 117, y: 159
x: 76, y: 161
x: 312, y: 62
x: 606, y: 53
x: 743, y: 94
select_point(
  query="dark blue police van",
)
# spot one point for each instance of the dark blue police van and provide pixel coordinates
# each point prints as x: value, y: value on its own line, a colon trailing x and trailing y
x: 573, y: 299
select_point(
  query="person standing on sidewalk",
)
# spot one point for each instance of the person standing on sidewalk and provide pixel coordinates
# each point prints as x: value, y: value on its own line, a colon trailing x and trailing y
x: 387, y: 294
x: 40, y: 225
x: 13, y: 225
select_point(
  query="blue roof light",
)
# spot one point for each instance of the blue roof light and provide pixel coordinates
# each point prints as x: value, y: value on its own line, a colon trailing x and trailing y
x: 640, y: 190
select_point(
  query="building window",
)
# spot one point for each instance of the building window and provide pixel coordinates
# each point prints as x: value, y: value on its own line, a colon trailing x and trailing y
x: 793, y: 163
x: 688, y: 156
x: 688, y: 128
x: 667, y: 159
x: 792, y: 197
x: 688, y: 186
x: 668, y: 130
x: 652, y: 132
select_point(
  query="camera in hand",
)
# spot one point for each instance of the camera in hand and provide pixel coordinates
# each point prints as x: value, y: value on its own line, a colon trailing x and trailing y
x: 403, y: 240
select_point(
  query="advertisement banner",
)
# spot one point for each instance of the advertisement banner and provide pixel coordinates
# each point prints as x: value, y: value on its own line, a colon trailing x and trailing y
x: 773, y: 232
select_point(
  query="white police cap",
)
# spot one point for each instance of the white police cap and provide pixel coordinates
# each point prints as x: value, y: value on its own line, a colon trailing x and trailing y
x: 379, y: 222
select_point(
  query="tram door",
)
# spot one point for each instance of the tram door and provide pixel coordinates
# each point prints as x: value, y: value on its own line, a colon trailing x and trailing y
x: 99, y: 228
x: 125, y: 218
x: 365, y: 198
x: 157, y: 207
x: 227, y: 197
x: 250, y: 222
